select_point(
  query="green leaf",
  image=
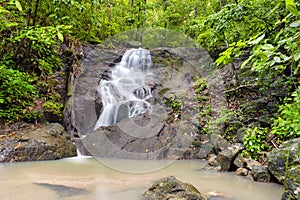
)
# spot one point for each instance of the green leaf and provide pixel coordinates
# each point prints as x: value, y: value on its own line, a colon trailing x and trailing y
x: 60, y: 36
x: 284, y: 57
x: 292, y: 10
x: 18, y: 5
x: 274, y: 9
x: 297, y: 56
x: 257, y: 40
x: 268, y: 47
x: 290, y: 2
x: 246, y: 61
x: 290, y: 6
x: 277, y: 59
x: 2, y: 10
x: 295, y: 24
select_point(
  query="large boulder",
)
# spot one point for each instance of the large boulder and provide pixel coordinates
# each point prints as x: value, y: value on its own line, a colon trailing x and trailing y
x: 284, y: 164
x: 172, y: 188
x: 47, y: 143
x: 261, y: 174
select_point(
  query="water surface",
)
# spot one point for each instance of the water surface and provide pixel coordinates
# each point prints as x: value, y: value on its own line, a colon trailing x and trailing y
x: 84, y: 178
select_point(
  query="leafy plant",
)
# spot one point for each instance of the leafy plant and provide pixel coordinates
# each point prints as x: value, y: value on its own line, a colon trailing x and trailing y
x: 255, y: 141
x: 287, y: 124
x: 16, y: 95
x: 203, y: 104
x: 53, y: 107
x: 176, y: 104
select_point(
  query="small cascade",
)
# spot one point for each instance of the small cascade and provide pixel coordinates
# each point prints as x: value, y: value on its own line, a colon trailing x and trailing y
x: 126, y: 94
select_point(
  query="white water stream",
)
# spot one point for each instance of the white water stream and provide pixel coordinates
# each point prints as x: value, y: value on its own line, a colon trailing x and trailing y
x: 126, y: 88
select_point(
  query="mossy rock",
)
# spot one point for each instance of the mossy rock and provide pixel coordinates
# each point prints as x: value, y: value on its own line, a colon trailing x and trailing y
x: 284, y: 164
x: 172, y: 188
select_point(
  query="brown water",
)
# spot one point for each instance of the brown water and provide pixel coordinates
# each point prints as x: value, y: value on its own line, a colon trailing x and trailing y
x: 89, y: 179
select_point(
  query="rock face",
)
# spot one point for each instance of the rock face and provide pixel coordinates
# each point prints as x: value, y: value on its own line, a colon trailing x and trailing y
x: 284, y: 164
x: 224, y: 161
x: 226, y: 157
x: 173, y: 123
x: 171, y: 188
x: 47, y: 143
x: 261, y: 174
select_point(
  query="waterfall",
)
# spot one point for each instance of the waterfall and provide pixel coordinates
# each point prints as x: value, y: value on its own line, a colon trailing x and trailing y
x: 126, y: 94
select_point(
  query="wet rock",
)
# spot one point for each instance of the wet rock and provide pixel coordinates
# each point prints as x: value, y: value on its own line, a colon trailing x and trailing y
x: 199, y: 152
x: 239, y: 161
x: 292, y: 184
x: 212, y: 160
x: 245, y: 162
x: 287, y: 152
x: 242, y: 171
x: 284, y: 164
x: 47, y: 143
x: 219, y: 142
x: 265, y: 120
x: 169, y: 138
x: 226, y: 157
x: 171, y: 188
x: 239, y: 146
x: 240, y: 134
x: 260, y: 173
x: 204, y: 151
x: 254, y: 105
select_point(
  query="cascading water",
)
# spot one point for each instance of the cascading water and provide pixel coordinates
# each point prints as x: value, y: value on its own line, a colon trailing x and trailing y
x: 126, y: 94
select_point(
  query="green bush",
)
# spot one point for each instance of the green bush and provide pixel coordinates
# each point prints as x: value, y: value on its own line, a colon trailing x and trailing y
x: 287, y: 124
x: 16, y: 95
x: 255, y: 141
x: 54, y: 108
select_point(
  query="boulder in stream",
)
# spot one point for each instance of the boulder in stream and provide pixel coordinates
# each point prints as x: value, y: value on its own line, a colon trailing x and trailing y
x: 226, y: 158
x: 171, y: 188
x: 50, y: 142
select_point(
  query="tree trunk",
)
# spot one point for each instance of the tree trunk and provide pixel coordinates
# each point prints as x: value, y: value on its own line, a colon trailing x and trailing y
x: 28, y: 49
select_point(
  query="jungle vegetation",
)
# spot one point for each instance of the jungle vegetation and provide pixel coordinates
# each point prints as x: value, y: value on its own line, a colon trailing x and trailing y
x: 264, y: 34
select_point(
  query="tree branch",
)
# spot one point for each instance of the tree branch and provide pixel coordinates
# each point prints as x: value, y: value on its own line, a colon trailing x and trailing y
x: 241, y: 86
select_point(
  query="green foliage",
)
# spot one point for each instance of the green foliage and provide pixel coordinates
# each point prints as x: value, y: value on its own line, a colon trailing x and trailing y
x: 53, y: 107
x: 204, y: 117
x: 200, y: 85
x: 174, y: 103
x: 16, y: 95
x: 271, y: 50
x: 29, y: 57
x: 255, y: 141
x: 274, y: 47
x: 234, y: 22
x: 287, y: 124
x: 203, y: 104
